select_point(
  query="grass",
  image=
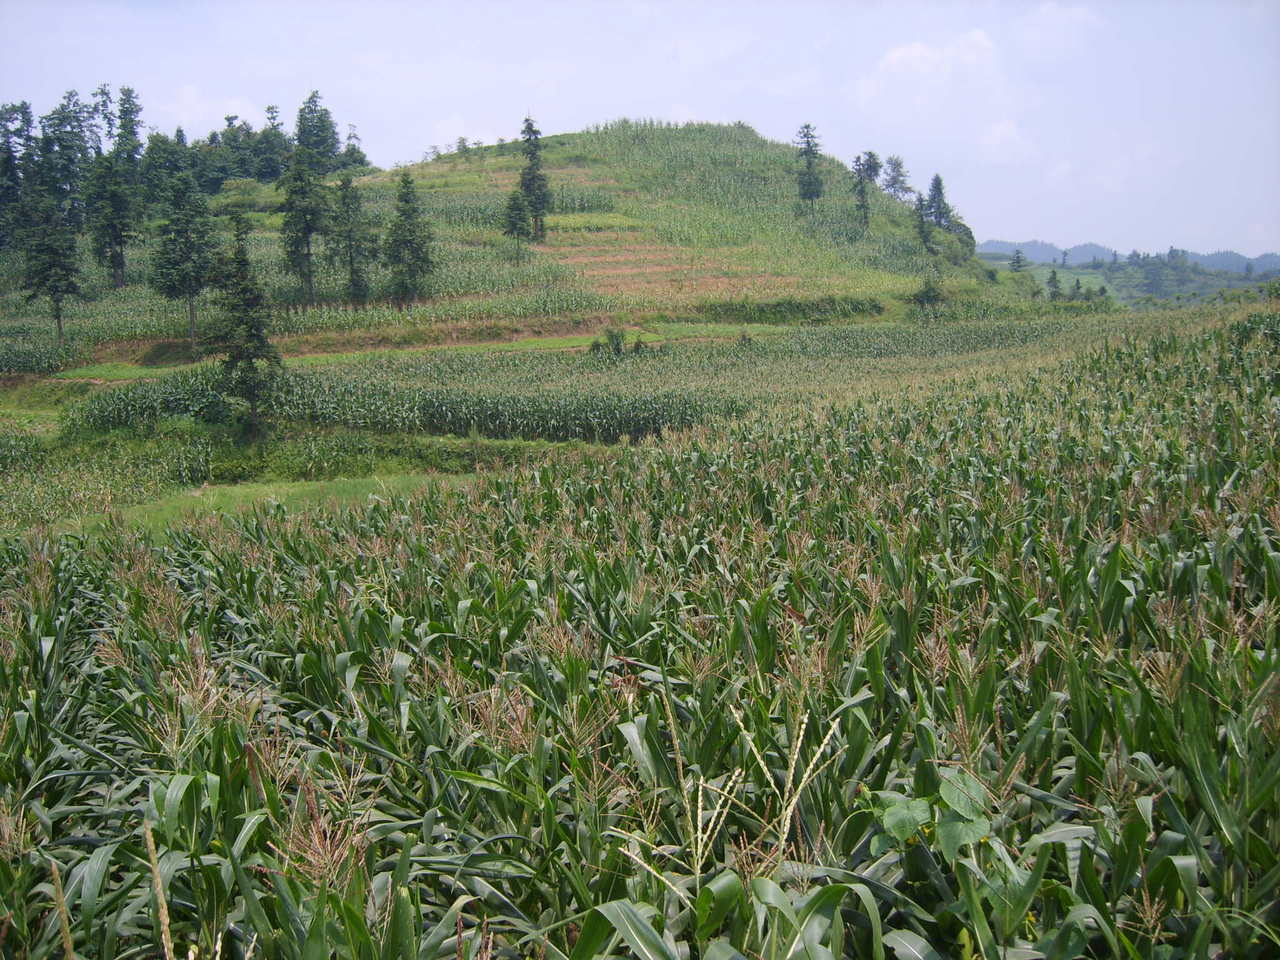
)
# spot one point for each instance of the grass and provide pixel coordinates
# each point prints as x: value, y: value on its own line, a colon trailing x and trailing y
x: 232, y: 499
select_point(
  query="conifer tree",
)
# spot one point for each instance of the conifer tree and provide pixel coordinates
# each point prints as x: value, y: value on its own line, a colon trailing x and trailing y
x: 936, y: 206
x: 163, y: 159
x: 306, y: 216
x: 351, y: 240
x: 407, y: 249
x: 923, y: 229
x: 251, y: 363
x: 1054, y: 285
x: 352, y: 155
x: 533, y: 182
x: 65, y: 151
x: 866, y: 168
x: 516, y: 222
x: 16, y: 141
x: 1018, y: 262
x: 808, y: 180
x: 185, y: 261
x: 895, y: 178
x: 114, y: 188
x: 271, y: 149
x: 51, y: 262
x: 316, y: 135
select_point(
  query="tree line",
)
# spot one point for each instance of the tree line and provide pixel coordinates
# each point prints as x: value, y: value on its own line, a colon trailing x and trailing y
x: 82, y: 172
x: 932, y: 211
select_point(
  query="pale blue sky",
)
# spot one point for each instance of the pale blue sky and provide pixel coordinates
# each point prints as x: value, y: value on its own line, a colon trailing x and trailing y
x: 1134, y: 124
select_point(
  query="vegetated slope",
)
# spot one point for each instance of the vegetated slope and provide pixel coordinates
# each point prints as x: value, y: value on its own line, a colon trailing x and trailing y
x: 644, y: 217
x: 995, y: 668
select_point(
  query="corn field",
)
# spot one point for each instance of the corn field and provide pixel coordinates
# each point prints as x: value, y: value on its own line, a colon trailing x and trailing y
x: 991, y: 672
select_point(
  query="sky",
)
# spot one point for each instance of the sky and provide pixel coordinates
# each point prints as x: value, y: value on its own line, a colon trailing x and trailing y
x: 1132, y: 124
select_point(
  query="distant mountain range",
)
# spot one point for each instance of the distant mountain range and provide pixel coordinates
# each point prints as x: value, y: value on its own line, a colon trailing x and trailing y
x: 1037, y: 251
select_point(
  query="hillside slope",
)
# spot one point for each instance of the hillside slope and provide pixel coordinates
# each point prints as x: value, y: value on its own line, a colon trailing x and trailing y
x: 646, y: 218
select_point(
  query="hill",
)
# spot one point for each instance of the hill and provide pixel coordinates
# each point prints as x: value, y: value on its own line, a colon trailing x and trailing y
x: 1224, y: 261
x: 692, y: 220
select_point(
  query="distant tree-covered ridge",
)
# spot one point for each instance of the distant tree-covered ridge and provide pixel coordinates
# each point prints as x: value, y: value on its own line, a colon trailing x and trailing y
x: 1038, y: 251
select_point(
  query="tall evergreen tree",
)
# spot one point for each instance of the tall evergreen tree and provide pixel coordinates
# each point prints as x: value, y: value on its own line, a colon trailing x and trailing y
x: 936, y: 206
x: 185, y: 261
x: 271, y: 148
x: 251, y: 363
x: 1018, y: 262
x: 16, y: 141
x: 164, y: 158
x: 51, y: 262
x: 516, y: 222
x: 316, y: 134
x: 306, y: 216
x: 352, y: 155
x: 869, y: 166
x: 866, y: 169
x: 808, y: 180
x: 407, y: 248
x: 69, y: 139
x: 113, y: 192
x: 1054, y: 285
x: 924, y: 231
x: 533, y: 182
x: 895, y: 178
x: 351, y: 241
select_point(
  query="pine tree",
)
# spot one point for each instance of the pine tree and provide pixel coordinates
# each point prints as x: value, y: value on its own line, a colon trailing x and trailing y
x: 533, y: 182
x: 895, y: 178
x: 923, y: 230
x: 808, y: 180
x: 1018, y: 263
x: 251, y: 363
x: 16, y: 140
x: 866, y: 169
x: 271, y: 149
x: 936, y: 206
x: 164, y: 158
x: 516, y: 221
x: 114, y: 187
x: 306, y: 215
x: 1054, y: 285
x: 868, y: 166
x: 352, y: 155
x: 68, y: 142
x: 351, y: 240
x: 407, y: 250
x: 185, y: 261
x: 316, y: 135
x: 51, y: 263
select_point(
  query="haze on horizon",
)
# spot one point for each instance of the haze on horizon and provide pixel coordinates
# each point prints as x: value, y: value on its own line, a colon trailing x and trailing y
x: 1135, y: 125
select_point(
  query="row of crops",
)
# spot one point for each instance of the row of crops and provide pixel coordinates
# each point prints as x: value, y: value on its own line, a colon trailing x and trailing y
x: 558, y: 396
x: 990, y: 673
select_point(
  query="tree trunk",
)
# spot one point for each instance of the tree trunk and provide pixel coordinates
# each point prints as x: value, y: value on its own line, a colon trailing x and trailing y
x: 117, y: 267
x: 311, y: 277
x: 57, y: 319
x: 191, y: 325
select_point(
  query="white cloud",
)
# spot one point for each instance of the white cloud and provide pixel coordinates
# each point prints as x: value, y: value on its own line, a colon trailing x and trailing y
x: 923, y: 73
x: 1003, y: 141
